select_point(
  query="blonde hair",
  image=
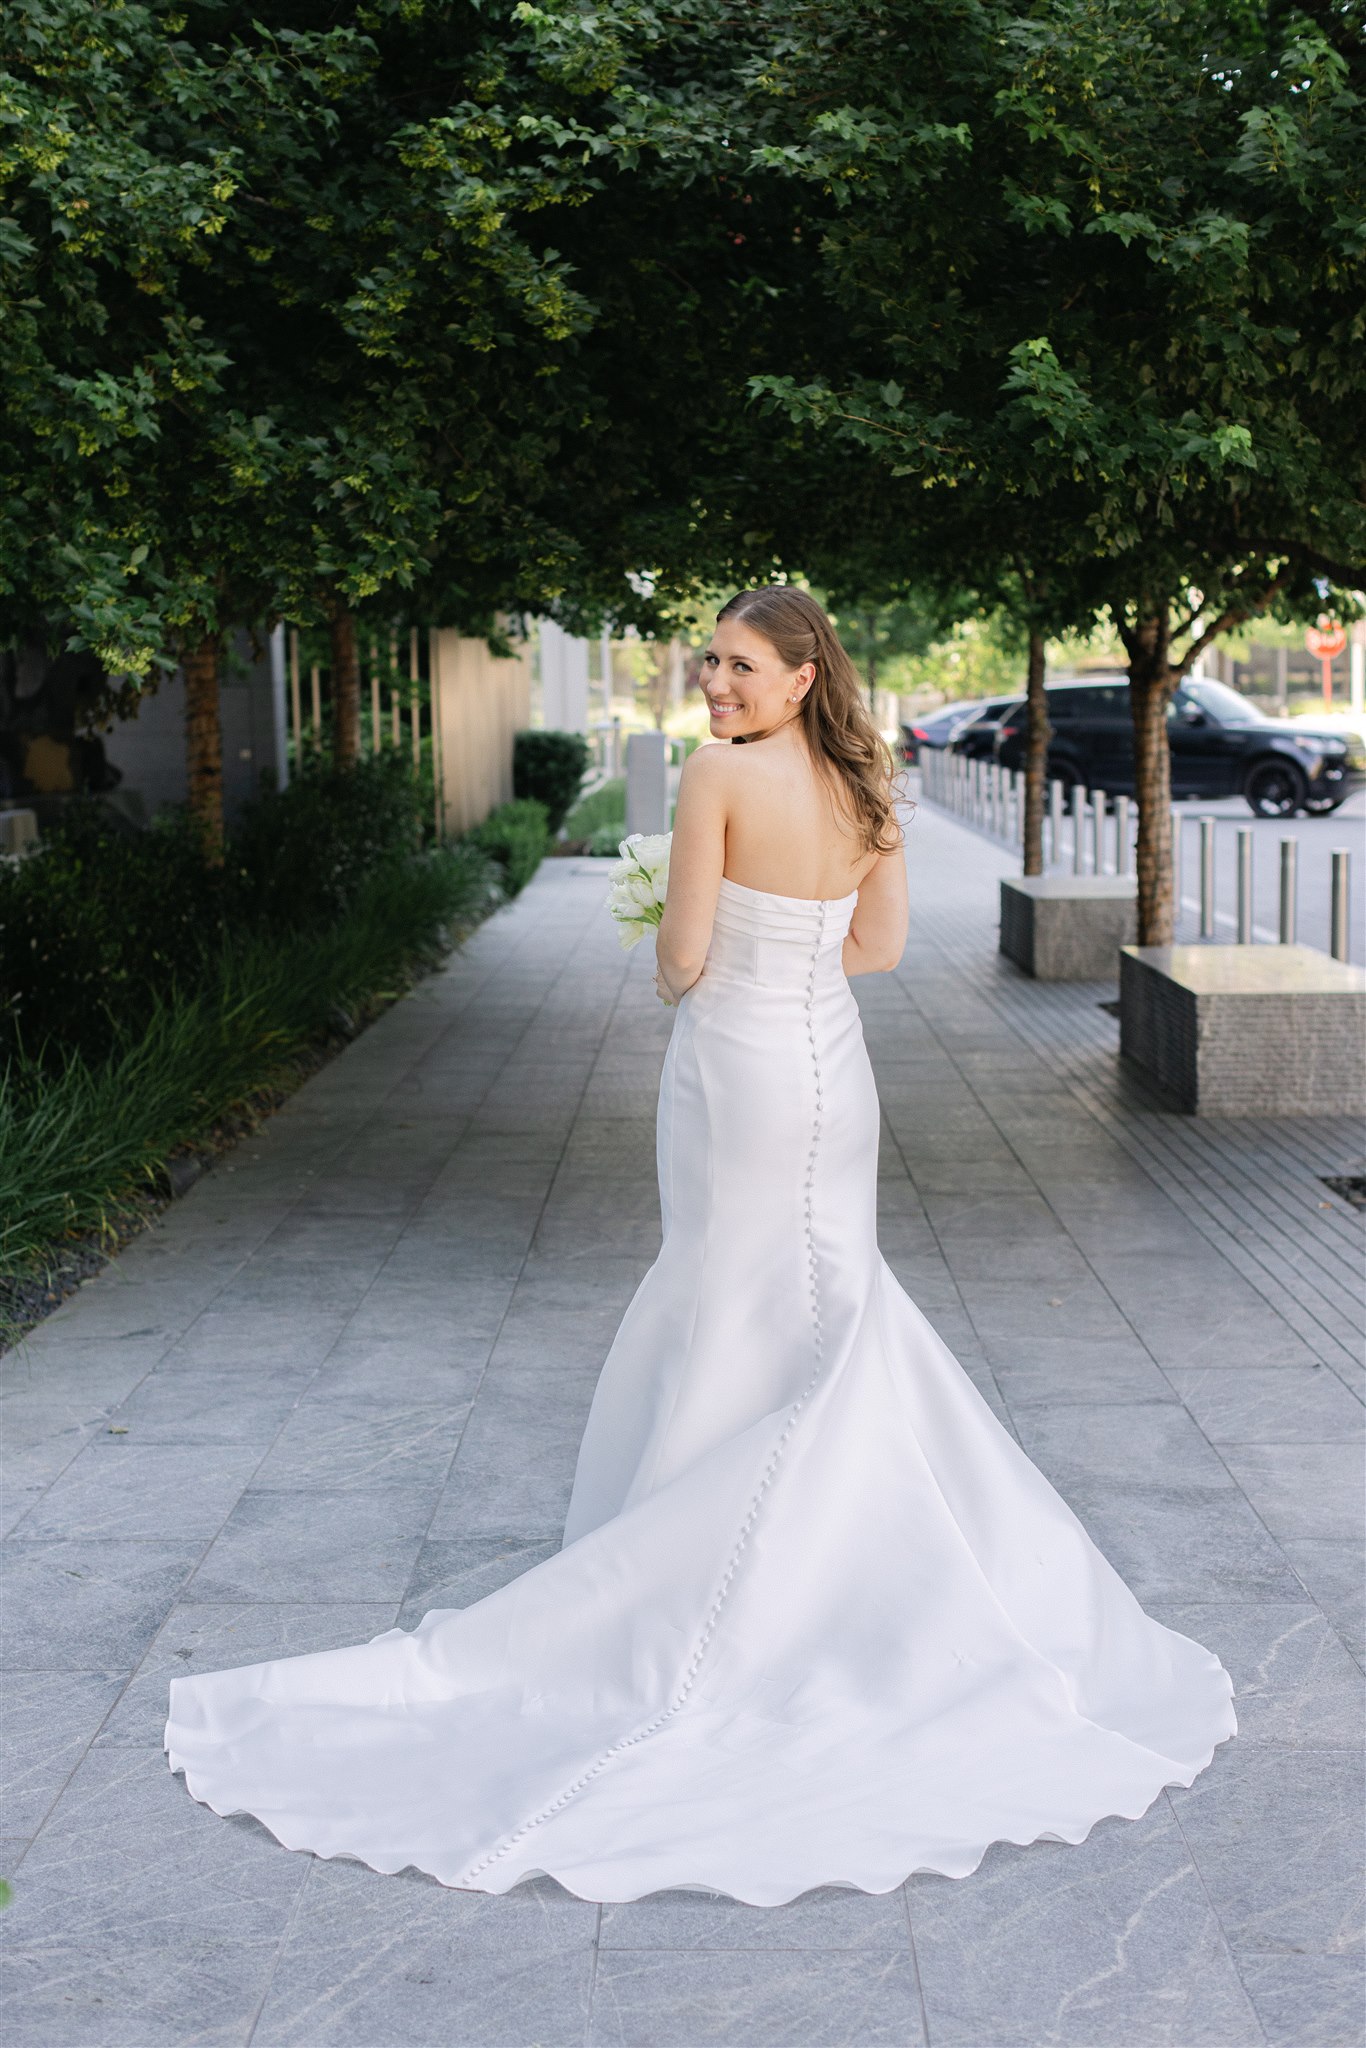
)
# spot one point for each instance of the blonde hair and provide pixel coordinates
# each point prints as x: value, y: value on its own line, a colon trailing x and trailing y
x: 838, y: 725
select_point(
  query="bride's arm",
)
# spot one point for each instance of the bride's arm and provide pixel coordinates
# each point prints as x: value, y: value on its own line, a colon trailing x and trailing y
x: 877, y: 936
x: 697, y: 855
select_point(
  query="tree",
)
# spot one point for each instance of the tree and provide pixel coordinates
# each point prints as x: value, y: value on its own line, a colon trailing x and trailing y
x: 1103, y: 263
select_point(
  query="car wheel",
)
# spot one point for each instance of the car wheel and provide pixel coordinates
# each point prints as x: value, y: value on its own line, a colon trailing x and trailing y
x: 1275, y: 789
x: 1324, y: 806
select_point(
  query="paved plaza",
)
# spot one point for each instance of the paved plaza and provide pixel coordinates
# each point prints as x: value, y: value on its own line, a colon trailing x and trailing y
x: 344, y: 1380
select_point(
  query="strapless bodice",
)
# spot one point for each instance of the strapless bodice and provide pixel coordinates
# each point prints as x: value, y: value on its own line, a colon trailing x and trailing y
x: 775, y: 941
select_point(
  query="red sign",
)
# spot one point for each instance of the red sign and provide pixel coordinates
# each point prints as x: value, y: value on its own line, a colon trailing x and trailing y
x: 1324, y: 641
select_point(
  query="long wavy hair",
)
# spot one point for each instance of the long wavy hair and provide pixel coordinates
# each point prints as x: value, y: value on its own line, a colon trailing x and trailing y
x: 839, y: 728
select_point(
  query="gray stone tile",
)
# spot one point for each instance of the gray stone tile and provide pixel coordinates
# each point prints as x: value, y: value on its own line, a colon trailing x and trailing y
x: 334, y: 1547
x: 86, y: 1605
x: 1301, y: 1891
x: 834, y: 1917
x: 1277, y: 1404
x: 1307, y: 2001
x: 296, y: 1284
x: 1073, y: 1308
x: 210, y: 1405
x: 1000, y: 1173
x: 197, y: 1637
x: 954, y: 1325
x: 397, y: 1962
x: 1036, y: 1369
x: 504, y: 1481
x: 1154, y: 1440
x: 122, y: 1488
x: 1335, y: 1574
x: 466, y: 1311
x: 428, y: 1363
x: 338, y: 1440
x: 1106, y: 1943
x: 1010, y: 1217
x: 1183, y: 1543
x: 60, y: 1364
x: 50, y: 1720
x: 1293, y: 1681
x: 324, y: 1240
x: 140, y: 1919
x: 1198, y: 1314
x: 259, y: 1339
x: 799, y: 1998
x: 974, y: 1259
x: 456, y: 1573
x: 1303, y: 1489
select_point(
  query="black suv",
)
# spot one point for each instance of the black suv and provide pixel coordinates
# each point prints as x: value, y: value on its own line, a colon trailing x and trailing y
x: 1221, y: 745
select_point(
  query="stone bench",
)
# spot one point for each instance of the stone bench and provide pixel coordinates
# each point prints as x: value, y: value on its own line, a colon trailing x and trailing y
x: 1246, y: 1030
x: 1068, y: 927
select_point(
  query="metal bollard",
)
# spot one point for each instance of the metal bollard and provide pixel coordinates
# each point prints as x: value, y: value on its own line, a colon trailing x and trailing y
x: 1078, y: 829
x: 1017, y: 776
x: 1098, y: 830
x: 1055, y: 824
x: 1342, y: 886
x: 1244, y: 886
x: 1207, y: 878
x: 1122, y: 836
x: 1289, y: 891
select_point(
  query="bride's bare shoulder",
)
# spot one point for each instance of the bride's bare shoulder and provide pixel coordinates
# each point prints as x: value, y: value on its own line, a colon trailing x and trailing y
x: 711, y: 767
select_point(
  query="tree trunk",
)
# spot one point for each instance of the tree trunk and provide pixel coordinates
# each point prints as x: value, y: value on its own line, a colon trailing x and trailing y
x: 1151, y: 682
x: 345, y: 689
x: 1036, y: 756
x: 204, y: 741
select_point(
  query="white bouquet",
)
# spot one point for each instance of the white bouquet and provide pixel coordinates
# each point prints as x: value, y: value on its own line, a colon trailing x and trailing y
x: 640, y: 880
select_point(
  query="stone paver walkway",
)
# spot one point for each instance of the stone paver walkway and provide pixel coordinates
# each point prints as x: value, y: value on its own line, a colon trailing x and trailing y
x: 345, y: 1379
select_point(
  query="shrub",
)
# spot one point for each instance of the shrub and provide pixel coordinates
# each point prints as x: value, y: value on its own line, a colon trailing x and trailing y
x: 299, y: 856
x: 516, y: 835
x: 550, y: 767
x: 80, y: 1138
x: 101, y: 924
x: 603, y: 809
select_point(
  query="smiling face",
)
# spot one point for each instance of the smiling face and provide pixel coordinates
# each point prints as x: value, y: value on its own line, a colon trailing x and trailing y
x: 747, y: 688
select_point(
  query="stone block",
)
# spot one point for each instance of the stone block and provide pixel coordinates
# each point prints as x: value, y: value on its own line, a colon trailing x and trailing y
x: 1246, y: 1030
x: 1067, y: 927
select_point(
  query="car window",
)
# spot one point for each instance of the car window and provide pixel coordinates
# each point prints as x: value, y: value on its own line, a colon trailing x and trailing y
x: 1097, y: 700
x: 1230, y: 707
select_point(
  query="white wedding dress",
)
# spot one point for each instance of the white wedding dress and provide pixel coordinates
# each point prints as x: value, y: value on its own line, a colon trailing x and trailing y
x: 817, y: 1618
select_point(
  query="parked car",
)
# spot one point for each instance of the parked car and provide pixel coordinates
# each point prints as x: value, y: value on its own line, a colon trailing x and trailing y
x: 1221, y: 745
x: 937, y: 730
x: 975, y: 736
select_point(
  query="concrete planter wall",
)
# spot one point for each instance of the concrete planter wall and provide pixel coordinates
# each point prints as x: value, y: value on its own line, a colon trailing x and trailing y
x: 1068, y: 927
x: 1246, y: 1030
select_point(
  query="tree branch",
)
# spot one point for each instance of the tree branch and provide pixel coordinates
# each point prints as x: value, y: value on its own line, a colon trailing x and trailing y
x: 1234, y: 614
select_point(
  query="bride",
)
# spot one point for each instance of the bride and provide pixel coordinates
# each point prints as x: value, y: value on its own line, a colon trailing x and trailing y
x: 817, y: 1619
